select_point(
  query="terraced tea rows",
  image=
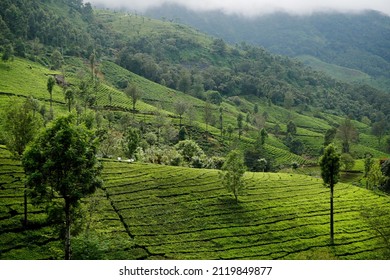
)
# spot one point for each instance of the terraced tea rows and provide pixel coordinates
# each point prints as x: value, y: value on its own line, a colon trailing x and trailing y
x: 150, y: 211
x: 180, y: 213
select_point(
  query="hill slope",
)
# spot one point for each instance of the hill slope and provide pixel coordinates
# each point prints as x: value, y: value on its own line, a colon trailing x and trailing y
x: 149, y: 211
x: 354, y: 41
x: 180, y: 63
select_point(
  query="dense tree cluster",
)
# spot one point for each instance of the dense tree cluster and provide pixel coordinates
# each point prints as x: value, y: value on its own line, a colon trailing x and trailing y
x: 31, y: 25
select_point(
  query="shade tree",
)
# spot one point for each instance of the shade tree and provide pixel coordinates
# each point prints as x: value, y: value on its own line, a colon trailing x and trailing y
x: 330, y: 173
x: 232, y: 173
x: 62, y: 163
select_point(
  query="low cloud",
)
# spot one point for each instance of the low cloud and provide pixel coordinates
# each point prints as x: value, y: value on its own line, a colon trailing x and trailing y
x: 256, y: 7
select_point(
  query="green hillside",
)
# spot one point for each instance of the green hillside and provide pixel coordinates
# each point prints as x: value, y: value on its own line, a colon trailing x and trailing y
x: 357, y: 42
x: 340, y: 73
x: 147, y: 211
x: 125, y: 77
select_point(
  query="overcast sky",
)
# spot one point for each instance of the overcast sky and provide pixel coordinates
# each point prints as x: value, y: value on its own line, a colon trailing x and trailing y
x: 255, y: 7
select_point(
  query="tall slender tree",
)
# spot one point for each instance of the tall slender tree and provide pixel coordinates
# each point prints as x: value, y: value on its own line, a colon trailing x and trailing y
x: 208, y: 114
x: 330, y: 173
x: 347, y: 133
x: 134, y: 93
x: 234, y: 169
x: 50, y: 86
x: 180, y: 108
x: 221, y: 120
x: 69, y: 96
x: 240, y: 119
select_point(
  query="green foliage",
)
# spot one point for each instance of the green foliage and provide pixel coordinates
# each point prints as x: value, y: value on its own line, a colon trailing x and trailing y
x: 240, y: 119
x: 50, y: 85
x: 385, y: 168
x: 56, y: 60
x: 262, y: 164
x: 189, y: 149
x: 8, y: 53
x: 263, y: 136
x: 214, y: 97
x: 318, y: 40
x: 219, y: 47
x: 62, y: 159
x: 330, y: 173
x: 69, y: 96
x: 295, y: 165
x: 330, y: 134
x: 134, y: 93
x: 20, y: 123
x: 294, y: 144
x: 388, y: 145
x: 375, y: 177
x: 368, y: 161
x: 233, y: 172
x: 182, y: 134
x: 62, y: 162
x: 379, y: 130
x: 374, y: 217
x: 131, y: 142
x: 180, y: 107
x: 330, y: 166
x: 347, y: 161
x: 348, y: 134
x: 151, y: 138
x: 291, y: 128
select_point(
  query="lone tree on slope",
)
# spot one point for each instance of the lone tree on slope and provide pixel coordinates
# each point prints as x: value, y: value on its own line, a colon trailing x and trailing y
x: 330, y: 173
x: 347, y: 133
x: 234, y: 169
x: 62, y: 162
x: 50, y: 85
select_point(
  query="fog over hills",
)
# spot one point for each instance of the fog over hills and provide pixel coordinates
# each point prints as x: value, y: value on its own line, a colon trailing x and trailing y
x: 357, y: 42
x: 255, y: 7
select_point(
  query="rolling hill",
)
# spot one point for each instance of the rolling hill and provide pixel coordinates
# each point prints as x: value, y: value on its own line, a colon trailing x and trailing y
x: 357, y: 42
x: 155, y: 211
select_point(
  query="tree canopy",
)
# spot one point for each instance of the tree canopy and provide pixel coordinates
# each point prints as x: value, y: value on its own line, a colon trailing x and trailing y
x: 234, y: 169
x: 62, y: 162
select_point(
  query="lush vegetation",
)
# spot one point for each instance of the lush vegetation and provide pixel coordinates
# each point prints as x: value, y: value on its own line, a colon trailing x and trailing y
x: 328, y: 41
x: 164, y: 105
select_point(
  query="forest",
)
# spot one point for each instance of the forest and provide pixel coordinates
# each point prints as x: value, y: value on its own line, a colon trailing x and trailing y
x: 347, y: 46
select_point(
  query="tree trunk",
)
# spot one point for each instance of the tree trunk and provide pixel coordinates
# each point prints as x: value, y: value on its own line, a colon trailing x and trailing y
x: 67, y: 229
x: 331, y: 215
x: 51, y: 101
x: 25, y: 221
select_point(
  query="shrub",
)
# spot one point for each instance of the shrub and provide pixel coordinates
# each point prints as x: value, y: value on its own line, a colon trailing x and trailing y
x: 189, y: 149
x: 295, y: 165
x: 171, y: 157
x: 218, y: 162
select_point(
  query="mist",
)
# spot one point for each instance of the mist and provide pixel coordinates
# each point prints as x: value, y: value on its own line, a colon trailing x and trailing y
x: 255, y: 7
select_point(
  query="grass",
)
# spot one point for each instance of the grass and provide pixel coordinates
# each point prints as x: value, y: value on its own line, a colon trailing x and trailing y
x: 147, y: 211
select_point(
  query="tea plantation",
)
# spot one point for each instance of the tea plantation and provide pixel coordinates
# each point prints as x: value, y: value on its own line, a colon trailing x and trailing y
x: 147, y: 211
